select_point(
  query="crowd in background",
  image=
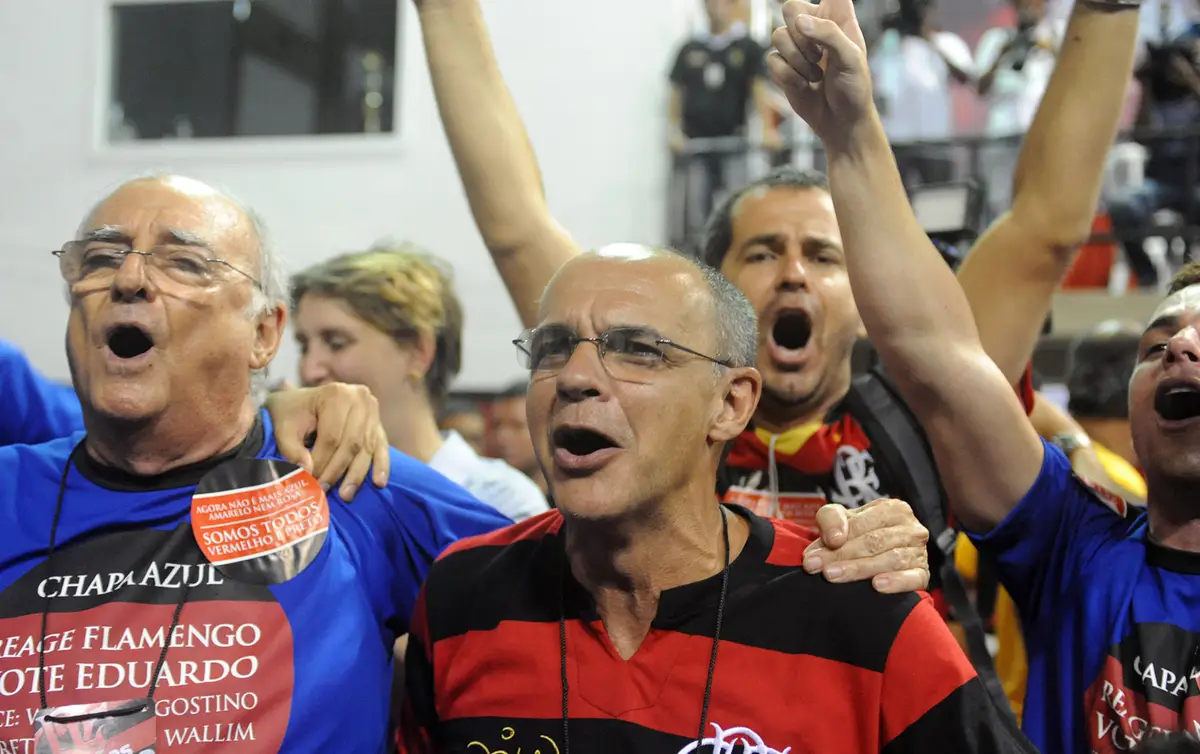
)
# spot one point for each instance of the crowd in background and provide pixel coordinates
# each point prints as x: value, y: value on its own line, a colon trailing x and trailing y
x: 930, y: 84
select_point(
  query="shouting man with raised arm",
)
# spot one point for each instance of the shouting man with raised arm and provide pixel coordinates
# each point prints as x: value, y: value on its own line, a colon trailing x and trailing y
x: 1111, y: 608
x: 794, y: 215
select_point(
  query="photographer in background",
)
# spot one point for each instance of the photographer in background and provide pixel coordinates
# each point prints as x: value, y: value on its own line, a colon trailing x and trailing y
x: 913, y: 65
x: 715, y: 77
x: 1170, y: 78
x: 1015, y: 65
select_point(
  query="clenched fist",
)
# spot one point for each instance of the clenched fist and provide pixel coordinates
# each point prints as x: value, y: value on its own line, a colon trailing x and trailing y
x: 820, y: 61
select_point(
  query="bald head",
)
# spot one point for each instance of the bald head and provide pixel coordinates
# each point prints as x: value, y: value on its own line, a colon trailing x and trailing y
x: 695, y: 291
x: 227, y: 216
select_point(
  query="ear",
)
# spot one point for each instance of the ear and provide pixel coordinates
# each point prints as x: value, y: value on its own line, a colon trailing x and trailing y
x: 423, y: 352
x: 268, y: 334
x: 743, y: 387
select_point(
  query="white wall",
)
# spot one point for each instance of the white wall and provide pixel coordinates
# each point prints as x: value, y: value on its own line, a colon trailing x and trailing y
x: 588, y: 77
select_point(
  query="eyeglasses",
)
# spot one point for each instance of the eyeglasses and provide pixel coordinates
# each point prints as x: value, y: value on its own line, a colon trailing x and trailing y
x: 627, y: 352
x: 95, y: 263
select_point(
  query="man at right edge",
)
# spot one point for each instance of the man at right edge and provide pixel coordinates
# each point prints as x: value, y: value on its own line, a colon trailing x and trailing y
x: 1111, y: 608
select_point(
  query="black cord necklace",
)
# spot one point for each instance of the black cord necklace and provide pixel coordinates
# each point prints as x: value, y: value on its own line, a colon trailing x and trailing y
x: 162, y: 657
x: 712, y: 662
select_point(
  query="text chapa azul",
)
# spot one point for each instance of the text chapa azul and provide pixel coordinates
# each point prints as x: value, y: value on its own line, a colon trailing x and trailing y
x: 155, y: 576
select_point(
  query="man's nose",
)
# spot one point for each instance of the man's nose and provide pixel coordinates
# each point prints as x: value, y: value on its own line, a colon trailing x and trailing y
x: 130, y: 283
x: 793, y: 275
x: 583, y: 374
x: 1184, y: 346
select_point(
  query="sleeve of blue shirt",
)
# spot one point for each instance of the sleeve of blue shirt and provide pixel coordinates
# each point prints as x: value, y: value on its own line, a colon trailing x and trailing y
x: 1057, y: 529
x: 33, y: 409
x: 408, y: 523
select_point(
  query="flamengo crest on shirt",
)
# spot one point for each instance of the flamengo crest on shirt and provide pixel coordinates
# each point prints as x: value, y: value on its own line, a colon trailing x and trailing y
x: 854, y: 478
x: 852, y: 482
x: 734, y: 740
x: 1146, y: 687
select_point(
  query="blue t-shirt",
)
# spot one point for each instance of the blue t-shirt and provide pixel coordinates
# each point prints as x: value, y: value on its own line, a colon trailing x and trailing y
x: 1111, y: 619
x: 304, y: 666
x: 33, y: 409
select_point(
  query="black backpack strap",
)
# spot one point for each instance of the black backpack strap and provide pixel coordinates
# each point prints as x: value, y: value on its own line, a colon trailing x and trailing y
x: 899, y: 445
x: 987, y: 590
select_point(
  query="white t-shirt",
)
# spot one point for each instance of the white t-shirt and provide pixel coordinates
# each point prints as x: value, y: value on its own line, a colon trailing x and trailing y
x: 491, y: 480
x: 912, y: 81
x: 1014, y: 96
x: 1163, y: 20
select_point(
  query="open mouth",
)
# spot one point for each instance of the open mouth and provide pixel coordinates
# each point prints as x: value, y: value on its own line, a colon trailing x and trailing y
x: 129, y: 341
x: 1177, y: 402
x: 581, y: 442
x: 792, y: 330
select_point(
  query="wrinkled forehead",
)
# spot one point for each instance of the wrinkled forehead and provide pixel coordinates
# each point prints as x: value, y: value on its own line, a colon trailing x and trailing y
x: 1177, y: 311
x: 148, y: 211
x: 595, y: 294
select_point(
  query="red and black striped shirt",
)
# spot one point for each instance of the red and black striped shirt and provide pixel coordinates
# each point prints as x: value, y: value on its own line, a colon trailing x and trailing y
x: 803, y: 664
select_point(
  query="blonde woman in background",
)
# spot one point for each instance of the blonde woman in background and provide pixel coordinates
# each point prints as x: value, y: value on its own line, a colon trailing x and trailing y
x: 389, y: 319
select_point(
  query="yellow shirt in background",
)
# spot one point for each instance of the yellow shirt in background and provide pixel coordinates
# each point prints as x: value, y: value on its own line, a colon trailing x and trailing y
x: 1121, y: 471
x: 1011, y: 664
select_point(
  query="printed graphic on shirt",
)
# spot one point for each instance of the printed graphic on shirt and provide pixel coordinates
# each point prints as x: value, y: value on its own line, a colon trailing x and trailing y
x: 1110, y: 500
x: 226, y: 684
x: 855, y: 482
x: 258, y: 520
x: 125, y: 727
x: 799, y: 508
x: 733, y: 740
x: 831, y: 464
x: 1147, y: 687
x: 740, y: 740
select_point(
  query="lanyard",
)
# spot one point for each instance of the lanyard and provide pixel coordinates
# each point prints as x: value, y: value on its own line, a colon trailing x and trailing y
x: 712, y: 663
x: 162, y: 657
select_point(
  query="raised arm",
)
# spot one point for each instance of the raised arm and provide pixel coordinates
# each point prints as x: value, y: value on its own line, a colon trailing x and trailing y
x: 914, y: 310
x: 492, y: 151
x: 1011, y: 274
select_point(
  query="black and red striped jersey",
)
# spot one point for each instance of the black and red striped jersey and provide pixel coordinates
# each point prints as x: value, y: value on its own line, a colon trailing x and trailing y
x: 803, y: 665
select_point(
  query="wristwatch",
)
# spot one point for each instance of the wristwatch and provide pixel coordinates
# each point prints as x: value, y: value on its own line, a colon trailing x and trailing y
x: 1113, y: 5
x: 1070, y: 442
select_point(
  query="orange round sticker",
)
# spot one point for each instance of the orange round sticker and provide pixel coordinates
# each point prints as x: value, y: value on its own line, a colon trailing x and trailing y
x: 259, y: 521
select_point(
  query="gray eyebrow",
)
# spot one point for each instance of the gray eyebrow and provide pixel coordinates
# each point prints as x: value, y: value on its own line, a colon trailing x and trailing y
x: 185, y: 238
x: 111, y: 233
x: 117, y: 234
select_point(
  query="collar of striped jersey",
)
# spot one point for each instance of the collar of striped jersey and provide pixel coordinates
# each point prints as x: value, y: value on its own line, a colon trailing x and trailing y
x: 680, y: 606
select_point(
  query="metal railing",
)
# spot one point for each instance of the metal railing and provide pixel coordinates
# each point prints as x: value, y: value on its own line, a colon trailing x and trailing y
x: 709, y: 168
